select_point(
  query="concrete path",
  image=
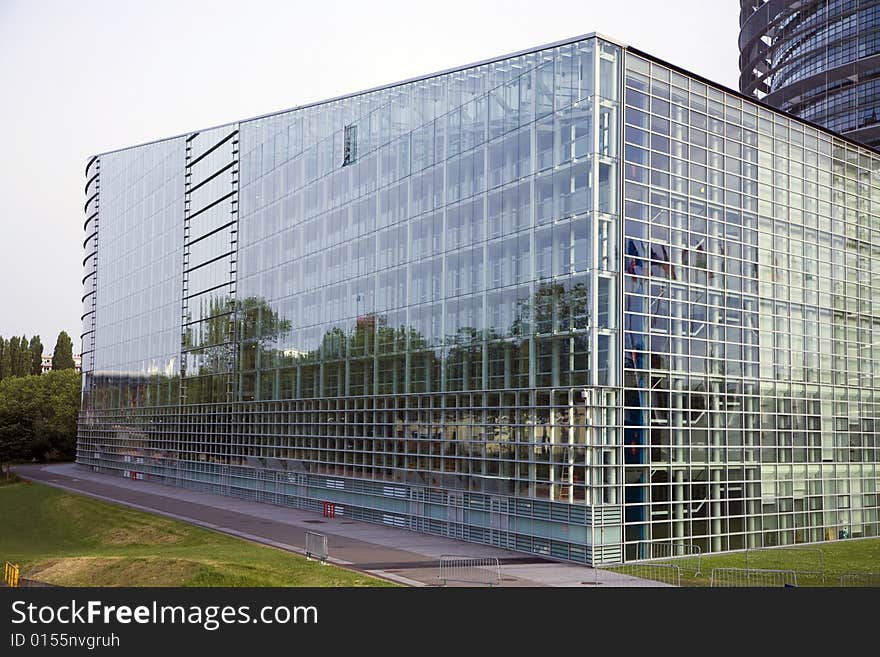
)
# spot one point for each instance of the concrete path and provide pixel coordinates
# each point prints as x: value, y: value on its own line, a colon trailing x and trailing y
x: 395, y: 554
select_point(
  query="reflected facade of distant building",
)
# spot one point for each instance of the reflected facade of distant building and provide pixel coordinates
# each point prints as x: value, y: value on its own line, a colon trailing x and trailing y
x: 818, y: 59
x: 572, y: 301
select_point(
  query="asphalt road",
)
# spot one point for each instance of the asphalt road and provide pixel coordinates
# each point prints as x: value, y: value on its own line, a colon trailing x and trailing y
x: 396, y: 554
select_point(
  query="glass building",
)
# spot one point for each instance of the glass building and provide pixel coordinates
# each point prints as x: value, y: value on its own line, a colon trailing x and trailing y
x: 818, y: 59
x: 572, y: 301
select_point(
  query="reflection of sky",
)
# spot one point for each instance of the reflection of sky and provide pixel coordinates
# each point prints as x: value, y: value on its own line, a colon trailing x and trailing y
x: 137, y: 327
x: 325, y: 243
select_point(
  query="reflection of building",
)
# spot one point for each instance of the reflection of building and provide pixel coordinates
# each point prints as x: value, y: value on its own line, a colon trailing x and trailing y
x: 818, y: 59
x: 570, y: 301
x: 46, y: 363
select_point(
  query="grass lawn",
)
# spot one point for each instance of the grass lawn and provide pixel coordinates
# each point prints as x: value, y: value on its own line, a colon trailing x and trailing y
x: 835, y: 557
x: 7, y: 478
x: 73, y: 540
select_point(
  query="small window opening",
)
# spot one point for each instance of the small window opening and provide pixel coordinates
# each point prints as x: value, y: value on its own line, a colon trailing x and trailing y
x: 349, y: 153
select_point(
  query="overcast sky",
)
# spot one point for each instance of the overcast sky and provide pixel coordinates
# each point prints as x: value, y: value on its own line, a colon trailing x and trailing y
x: 81, y: 77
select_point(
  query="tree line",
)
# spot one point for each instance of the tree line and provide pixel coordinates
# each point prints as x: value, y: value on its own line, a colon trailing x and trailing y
x: 37, y: 411
x: 22, y: 357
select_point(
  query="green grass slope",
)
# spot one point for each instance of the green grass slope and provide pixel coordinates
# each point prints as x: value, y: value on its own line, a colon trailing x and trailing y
x: 73, y: 540
x: 820, y: 564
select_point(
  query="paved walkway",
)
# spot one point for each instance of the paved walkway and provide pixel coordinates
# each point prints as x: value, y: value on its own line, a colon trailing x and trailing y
x: 396, y: 554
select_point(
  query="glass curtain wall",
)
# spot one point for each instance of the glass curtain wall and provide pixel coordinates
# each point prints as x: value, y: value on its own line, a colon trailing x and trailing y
x: 750, y: 322
x: 572, y: 301
x: 416, y: 285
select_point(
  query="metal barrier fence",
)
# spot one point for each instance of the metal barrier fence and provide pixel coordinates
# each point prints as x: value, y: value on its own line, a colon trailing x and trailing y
x: 767, y: 554
x: 850, y: 580
x: 659, y: 572
x: 689, y: 556
x: 470, y: 570
x: 11, y: 574
x: 752, y: 577
x: 316, y: 546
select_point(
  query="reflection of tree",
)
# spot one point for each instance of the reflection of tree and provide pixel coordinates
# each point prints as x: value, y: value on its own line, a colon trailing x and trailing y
x: 555, y: 306
x: 209, y: 345
x: 372, y: 356
x: 110, y: 390
x: 202, y: 340
x: 259, y: 322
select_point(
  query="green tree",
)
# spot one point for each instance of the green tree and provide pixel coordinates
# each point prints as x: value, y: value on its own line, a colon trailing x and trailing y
x: 38, y: 416
x: 36, y: 349
x: 23, y: 366
x: 13, y: 346
x: 15, y: 432
x: 62, y: 357
x: 4, y: 358
x: 54, y: 423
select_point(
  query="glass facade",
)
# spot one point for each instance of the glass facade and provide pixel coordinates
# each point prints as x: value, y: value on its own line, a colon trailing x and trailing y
x: 819, y: 60
x: 571, y: 301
